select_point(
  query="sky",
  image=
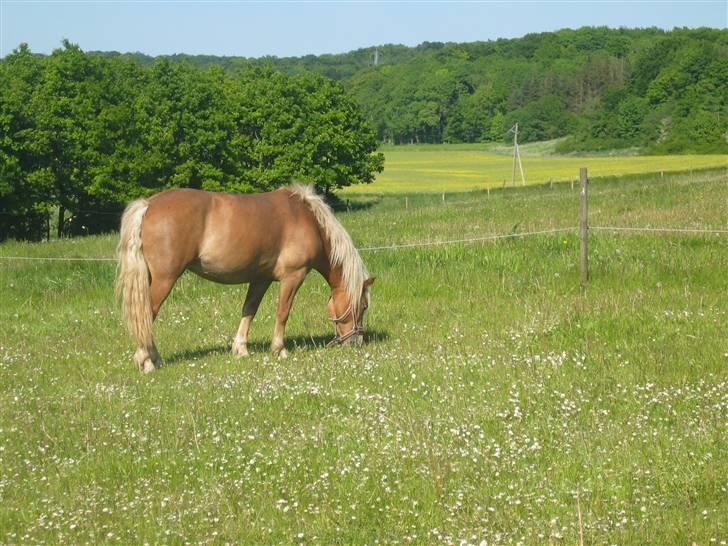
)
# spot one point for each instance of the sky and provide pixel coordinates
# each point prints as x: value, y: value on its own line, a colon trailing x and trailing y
x: 296, y: 28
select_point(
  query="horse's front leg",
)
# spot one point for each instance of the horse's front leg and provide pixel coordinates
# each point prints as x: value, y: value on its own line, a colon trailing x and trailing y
x: 256, y: 291
x: 289, y: 286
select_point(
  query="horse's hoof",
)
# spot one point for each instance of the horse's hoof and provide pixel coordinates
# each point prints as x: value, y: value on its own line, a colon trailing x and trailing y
x: 283, y: 354
x: 240, y: 351
x: 148, y: 366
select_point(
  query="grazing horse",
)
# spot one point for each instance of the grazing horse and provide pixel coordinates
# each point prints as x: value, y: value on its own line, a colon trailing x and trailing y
x: 255, y: 239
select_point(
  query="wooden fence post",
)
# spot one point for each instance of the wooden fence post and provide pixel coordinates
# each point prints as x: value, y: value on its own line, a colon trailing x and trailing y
x: 584, y: 228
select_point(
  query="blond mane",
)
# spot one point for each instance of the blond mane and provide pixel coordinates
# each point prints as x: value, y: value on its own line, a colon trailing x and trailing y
x: 343, y: 252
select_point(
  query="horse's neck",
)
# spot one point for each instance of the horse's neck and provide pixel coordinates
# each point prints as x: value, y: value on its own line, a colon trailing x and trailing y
x: 334, y: 275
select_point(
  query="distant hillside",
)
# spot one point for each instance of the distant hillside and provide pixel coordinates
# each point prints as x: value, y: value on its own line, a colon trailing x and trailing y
x: 334, y: 66
x: 659, y: 90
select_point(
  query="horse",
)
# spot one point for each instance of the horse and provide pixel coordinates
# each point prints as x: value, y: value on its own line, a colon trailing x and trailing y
x: 234, y: 239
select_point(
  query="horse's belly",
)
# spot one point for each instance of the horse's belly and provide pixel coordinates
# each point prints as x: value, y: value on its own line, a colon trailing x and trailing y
x: 231, y: 273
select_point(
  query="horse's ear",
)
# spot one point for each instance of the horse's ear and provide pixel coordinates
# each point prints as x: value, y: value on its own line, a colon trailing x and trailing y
x: 369, y: 282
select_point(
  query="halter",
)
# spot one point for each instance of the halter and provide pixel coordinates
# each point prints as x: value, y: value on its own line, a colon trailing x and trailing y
x: 356, y: 329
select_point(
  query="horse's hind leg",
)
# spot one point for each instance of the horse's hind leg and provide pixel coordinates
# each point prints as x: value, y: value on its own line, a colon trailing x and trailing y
x: 256, y: 291
x: 147, y: 357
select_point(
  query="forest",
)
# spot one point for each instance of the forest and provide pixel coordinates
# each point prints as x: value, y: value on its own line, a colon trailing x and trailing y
x: 81, y: 133
x: 660, y: 91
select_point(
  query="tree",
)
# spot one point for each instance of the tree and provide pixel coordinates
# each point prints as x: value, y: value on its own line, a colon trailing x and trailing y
x: 66, y: 107
x: 301, y: 128
x: 26, y: 184
x: 472, y: 118
x: 543, y: 119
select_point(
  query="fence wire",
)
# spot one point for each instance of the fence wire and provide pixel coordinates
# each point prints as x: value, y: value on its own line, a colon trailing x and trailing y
x: 420, y: 244
x: 463, y: 241
x: 659, y: 229
x: 56, y: 259
x: 362, y: 249
x: 559, y: 190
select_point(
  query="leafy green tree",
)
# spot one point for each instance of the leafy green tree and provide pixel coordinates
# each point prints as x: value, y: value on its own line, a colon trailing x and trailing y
x: 65, y: 107
x: 630, y: 114
x: 498, y: 126
x: 26, y: 184
x: 302, y: 128
x: 543, y: 119
x: 472, y: 117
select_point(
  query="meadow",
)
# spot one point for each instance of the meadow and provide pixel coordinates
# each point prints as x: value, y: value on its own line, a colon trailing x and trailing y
x: 461, y: 167
x: 495, y: 401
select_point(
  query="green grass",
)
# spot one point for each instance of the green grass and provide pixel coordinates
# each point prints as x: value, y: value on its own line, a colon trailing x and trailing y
x: 459, y: 167
x: 490, y: 393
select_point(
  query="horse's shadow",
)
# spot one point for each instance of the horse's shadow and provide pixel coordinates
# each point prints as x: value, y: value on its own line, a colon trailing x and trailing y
x: 293, y: 345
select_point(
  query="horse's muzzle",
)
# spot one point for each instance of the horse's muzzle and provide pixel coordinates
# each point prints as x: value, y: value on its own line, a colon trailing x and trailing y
x: 354, y: 338
x: 356, y: 341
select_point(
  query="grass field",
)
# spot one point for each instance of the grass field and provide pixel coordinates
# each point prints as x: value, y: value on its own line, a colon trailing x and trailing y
x: 494, y: 402
x: 446, y: 168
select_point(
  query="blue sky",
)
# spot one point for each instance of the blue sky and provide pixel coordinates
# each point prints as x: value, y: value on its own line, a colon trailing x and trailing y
x: 254, y: 29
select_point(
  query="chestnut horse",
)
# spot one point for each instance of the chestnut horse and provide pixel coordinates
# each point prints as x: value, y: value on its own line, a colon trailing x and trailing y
x: 255, y: 239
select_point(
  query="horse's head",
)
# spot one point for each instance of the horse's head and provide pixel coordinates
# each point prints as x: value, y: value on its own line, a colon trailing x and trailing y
x: 348, y: 321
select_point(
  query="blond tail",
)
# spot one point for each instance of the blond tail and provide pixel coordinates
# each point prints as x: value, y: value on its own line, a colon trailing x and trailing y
x: 132, y: 275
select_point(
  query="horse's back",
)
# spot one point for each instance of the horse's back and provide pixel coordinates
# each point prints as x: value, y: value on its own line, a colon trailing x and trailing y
x: 229, y: 238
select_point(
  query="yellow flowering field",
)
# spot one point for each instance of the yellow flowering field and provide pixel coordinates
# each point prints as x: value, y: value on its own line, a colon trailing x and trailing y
x: 449, y: 168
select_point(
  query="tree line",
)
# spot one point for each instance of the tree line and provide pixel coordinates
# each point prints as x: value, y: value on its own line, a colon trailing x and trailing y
x: 82, y: 134
x: 662, y: 91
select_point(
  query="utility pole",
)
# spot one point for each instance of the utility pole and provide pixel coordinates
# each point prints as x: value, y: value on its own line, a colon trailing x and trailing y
x: 516, y: 156
x: 376, y: 56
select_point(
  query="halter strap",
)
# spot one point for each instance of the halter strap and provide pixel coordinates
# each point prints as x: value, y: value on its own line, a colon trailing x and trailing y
x: 342, y: 317
x: 356, y: 329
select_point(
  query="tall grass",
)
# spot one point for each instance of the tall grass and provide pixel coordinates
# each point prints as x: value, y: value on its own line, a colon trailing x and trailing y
x: 490, y: 393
